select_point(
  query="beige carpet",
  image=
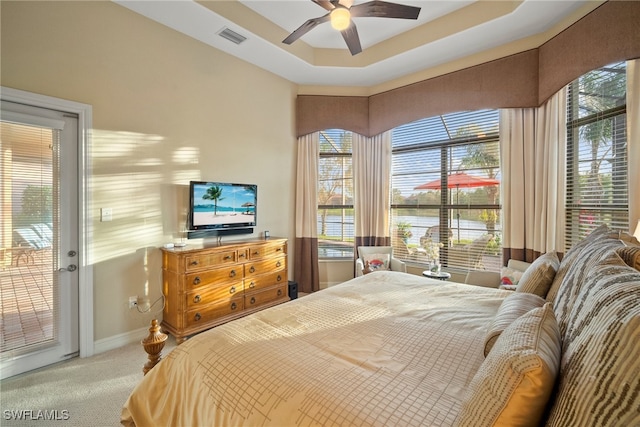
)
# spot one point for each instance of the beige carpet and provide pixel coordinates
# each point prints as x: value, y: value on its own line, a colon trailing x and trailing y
x: 87, y: 392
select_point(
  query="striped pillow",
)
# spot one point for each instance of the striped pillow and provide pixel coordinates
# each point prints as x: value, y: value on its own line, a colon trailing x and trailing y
x: 599, y: 372
x: 514, y: 382
x: 630, y: 255
x: 512, y: 307
x: 576, y: 275
x: 569, y: 258
x: 538, y: 277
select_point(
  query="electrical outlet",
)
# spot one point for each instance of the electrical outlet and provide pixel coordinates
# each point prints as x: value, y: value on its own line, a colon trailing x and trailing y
x: 133, y: 302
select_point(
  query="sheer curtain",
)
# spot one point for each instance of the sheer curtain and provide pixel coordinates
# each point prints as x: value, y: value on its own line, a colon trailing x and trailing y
x: 633, y: 140
x: 306, y: 248
x: 532, y: 148
x: 371, y: 175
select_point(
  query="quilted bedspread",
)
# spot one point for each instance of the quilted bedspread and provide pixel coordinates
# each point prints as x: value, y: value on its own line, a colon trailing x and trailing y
x: 383, y: 349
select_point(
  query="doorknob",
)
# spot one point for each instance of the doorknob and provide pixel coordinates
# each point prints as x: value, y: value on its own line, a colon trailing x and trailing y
x: 72, y: 253
x: 70, y: 267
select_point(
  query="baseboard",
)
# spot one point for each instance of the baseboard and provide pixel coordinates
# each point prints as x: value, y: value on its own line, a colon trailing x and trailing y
x: 117, y: 341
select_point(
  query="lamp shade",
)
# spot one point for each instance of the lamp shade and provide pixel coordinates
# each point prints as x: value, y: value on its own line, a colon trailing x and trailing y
x: 636, y: 233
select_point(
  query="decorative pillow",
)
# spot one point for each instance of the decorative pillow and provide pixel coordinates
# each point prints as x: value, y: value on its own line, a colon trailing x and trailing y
x: 376, y: 262
x: 630, y: 255
x: 512, y: 307
x: 514, y: 382
x: 569, y: 258
x: 538, y: 277
x: 576, y: 272
x: 599, y: 382
x: 510, y: 276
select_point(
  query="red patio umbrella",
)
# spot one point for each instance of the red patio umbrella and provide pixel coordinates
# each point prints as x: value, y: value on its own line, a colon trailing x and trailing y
x: 459, y: 180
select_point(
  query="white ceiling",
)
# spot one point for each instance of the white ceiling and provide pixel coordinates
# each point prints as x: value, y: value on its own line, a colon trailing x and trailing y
x: 445, y: 31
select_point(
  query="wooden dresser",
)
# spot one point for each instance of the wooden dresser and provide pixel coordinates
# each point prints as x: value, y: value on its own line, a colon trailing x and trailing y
x: 206, y: 286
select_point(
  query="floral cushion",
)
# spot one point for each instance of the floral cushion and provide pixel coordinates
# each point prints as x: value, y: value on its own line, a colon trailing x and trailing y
x: 510, y: 276
x: 376, y: 262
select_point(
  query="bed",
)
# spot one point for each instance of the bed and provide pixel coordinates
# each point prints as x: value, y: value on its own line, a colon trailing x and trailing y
x: 387, y: 348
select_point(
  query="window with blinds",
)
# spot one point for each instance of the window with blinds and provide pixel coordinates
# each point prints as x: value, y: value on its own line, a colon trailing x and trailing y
x: 335, y: 195
x: 597, y: 184
x: 445, y: 201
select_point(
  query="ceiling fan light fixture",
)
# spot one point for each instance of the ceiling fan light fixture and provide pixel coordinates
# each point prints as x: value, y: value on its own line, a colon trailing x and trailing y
x: 340, y: 18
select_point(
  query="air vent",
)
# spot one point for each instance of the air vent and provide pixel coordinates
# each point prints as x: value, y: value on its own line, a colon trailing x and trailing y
x: 231, y: 35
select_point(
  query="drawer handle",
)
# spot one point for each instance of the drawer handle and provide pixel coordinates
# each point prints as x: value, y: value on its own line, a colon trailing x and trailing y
x: 234, y: 306
x: 279, y: 278
x: 232, y: 273
x: 197, y: 299
x: 252, y: 285
x: 278, y: 264
x: 278, y: 250
x: 194, y: 262
x: 232, y: 290
x: 256, y: 253
x: 227, y: 257
x: 279, y: 292
x: 197, y: 317
x: 197, y: 280
x: 242, y: 255
x: 252, y: 269
x: 253, y: 300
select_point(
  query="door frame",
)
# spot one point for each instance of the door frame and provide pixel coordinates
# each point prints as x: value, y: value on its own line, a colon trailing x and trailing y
x: 85, y: 266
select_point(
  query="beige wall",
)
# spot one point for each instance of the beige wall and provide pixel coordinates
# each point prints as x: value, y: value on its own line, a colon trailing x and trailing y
x: 166, y: 109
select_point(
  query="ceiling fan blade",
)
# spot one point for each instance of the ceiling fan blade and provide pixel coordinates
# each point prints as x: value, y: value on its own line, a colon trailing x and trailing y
x: 383, y: 9
x: 350, y: 36
x: 305, y: 28
x: 324, y: 3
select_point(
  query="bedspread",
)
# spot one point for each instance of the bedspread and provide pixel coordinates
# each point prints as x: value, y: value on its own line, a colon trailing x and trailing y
x: 383, y: 349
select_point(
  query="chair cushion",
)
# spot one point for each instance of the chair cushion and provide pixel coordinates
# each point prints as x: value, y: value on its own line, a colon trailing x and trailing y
x: 537, y: 279
x: 512, y: 307
x: 599, y: 382
x: 513, y: 385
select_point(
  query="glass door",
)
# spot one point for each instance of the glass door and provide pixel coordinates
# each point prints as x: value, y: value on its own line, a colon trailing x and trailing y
x: 38, y: 238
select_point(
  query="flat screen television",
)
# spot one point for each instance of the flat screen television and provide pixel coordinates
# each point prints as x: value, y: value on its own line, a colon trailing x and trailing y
x: 220, y: 205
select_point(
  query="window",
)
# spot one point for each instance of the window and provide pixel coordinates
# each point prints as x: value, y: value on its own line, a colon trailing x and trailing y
x: 597, y: 185
x: 335, y: 195
x: 446, y: 192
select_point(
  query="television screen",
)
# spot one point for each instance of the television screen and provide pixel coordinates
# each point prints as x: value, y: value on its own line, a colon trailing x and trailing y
x: 216, y: 205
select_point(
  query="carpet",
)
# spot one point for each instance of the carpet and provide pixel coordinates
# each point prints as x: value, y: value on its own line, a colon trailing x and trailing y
x: 78, y: 392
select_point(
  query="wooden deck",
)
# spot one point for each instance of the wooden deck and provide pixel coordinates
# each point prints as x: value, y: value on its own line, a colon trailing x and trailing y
x: 26, y: 300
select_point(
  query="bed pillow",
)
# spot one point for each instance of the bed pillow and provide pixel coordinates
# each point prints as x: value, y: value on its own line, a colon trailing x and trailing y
x: 537, y: 279
x: 512, y: 307
x: 514, y: 382
x: 376, y: 262
x: 599, y: 382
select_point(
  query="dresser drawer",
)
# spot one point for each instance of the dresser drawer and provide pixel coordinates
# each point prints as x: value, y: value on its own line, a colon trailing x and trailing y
x: 218, y: 275
x: 267, y: 250
x: 265, y: 280
x: 213, y: 311
x: 212, y: 259
x: 263, y: 297
x: 207, y: 295
x: 256, y: 268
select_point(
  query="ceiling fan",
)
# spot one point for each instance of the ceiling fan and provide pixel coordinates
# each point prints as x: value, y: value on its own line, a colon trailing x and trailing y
x: 341, y: 12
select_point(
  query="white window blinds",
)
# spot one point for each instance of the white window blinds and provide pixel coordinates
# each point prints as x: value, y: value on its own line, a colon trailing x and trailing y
x: 597, y: 184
